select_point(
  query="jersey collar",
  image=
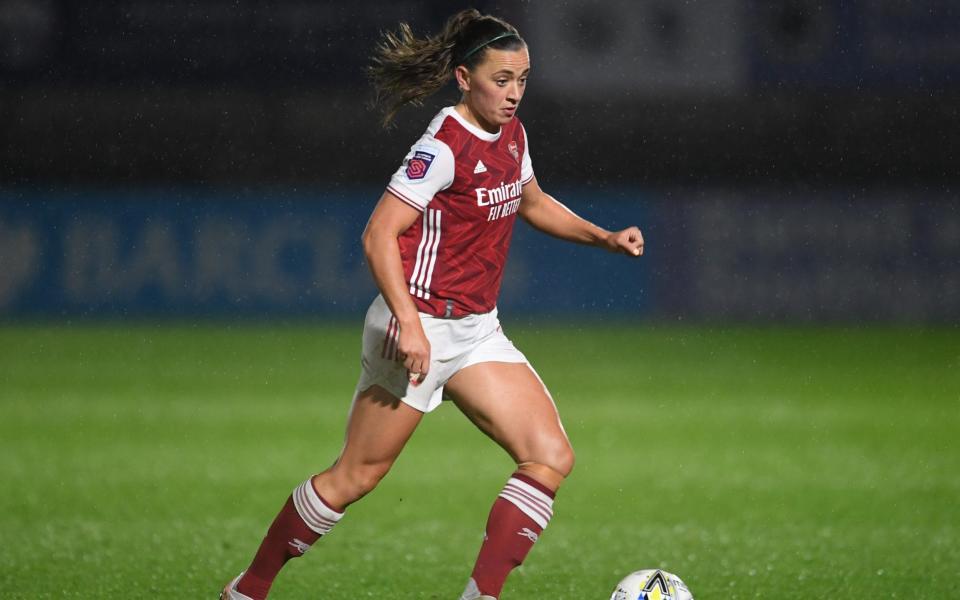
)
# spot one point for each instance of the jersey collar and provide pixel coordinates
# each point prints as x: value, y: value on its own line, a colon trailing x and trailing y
x: 480, y: 133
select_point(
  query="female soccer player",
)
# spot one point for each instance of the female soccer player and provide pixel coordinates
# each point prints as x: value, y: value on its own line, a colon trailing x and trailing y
x: 436, y: 244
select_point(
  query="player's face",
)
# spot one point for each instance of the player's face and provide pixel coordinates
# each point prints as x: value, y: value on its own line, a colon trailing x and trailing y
x: 495, y: 86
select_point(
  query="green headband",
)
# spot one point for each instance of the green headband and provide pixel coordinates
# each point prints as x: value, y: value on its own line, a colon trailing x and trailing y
x: 490, y: 41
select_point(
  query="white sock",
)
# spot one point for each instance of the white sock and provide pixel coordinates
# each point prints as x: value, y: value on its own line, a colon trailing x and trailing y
x: 472, y: 593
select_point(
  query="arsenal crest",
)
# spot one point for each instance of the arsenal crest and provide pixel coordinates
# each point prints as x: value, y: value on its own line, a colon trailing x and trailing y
x: 512, y: 147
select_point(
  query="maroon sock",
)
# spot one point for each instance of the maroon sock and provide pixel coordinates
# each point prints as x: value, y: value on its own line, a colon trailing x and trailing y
x: 303, y: 520
x: 518, y: 517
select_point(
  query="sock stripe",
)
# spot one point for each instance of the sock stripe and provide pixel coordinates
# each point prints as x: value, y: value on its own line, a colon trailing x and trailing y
x: 315, y: 509
x: 309, y: 515
x: 532, y: 502
x: 520, y: 476
x: 540, y: 518
x: 546, y: 506
x: 318, y: 516
x: 312, y: 517
x: 533, y: 494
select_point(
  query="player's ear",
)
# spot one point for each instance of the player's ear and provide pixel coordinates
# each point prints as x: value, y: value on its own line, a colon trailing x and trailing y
x: 463, y: 78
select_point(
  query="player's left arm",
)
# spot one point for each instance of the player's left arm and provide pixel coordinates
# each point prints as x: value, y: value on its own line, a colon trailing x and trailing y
x: 546, y: 213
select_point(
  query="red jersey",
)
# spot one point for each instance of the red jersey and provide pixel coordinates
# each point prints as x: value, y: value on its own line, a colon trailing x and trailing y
x: 467, y: 183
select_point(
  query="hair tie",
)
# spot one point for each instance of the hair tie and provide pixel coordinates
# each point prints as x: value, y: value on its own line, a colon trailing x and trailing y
x: 490, y: 41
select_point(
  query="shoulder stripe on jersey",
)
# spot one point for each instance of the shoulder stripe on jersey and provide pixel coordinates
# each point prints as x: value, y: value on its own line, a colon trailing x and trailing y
x: 426, y: 255
x: 405, y: 200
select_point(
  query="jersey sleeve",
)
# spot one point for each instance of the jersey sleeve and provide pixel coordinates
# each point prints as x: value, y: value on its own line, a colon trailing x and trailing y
x: 526, y: 166
x: 427, y: 169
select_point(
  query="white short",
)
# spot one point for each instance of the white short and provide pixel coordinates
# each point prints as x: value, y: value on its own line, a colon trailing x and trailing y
x: 454, y: 344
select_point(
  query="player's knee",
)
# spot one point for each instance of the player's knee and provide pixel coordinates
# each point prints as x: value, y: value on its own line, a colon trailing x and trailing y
x: 562, y: 459
x: 551, y: 464
x: 556, y: 453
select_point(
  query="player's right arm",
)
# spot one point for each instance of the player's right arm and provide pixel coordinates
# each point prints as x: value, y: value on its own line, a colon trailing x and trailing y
x: 390, y: 218
x: 427, y: 169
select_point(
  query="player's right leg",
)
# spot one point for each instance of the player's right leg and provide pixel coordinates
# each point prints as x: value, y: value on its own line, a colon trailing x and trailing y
x: 378, y: 427
x: 377, y: 430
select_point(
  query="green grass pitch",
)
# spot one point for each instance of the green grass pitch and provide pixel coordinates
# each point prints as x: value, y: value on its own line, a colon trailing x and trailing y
x: 146, y: 461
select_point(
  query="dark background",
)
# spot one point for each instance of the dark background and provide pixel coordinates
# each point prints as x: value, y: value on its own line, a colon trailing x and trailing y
x: 130, y: 91
x: 769, y: 148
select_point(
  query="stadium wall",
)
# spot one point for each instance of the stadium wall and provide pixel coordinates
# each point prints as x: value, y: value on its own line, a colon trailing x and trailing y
x: 745, y: 255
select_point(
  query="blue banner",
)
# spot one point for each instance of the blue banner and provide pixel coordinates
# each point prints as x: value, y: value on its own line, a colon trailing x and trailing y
x: 745, y: 255
x: 260, y: 253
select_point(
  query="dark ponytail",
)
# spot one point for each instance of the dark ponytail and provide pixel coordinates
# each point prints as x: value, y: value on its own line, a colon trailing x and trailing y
x: 407, y: 69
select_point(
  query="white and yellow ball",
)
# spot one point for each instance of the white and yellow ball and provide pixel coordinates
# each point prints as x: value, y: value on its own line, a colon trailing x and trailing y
x: 651, y: 584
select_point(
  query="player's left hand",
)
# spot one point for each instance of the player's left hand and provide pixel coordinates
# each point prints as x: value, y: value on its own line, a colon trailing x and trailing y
x: 628, y: 241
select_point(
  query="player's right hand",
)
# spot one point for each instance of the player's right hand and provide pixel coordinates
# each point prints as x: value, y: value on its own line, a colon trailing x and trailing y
x: 628, y: 241
x: 413, y: 348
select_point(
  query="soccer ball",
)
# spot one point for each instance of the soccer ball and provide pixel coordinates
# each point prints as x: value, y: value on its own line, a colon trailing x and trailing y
x: 651, y: 584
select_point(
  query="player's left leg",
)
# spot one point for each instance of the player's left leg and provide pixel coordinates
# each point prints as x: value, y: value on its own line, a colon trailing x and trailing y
x: 509, y: 403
